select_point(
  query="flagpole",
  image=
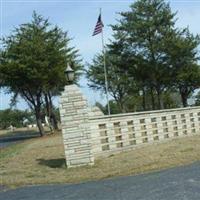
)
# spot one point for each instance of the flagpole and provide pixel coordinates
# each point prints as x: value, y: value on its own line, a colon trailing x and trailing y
x: 105, y: 70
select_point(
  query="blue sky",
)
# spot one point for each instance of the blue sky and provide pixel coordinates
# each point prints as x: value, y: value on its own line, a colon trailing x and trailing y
x: 79, y: 19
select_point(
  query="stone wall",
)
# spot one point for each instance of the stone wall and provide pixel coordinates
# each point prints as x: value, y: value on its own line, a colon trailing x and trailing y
x: 88, y: 134
x: 115, y: 133
x: 74, y: 113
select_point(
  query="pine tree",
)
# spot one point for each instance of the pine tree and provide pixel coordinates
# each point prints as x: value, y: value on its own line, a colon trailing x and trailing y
x: 33, y: 60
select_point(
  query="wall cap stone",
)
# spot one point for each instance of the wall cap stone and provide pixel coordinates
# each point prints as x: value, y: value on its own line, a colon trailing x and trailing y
x: 143, y: 113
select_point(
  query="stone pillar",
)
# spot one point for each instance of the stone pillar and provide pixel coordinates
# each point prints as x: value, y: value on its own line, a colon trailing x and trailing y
x: 74, y: 114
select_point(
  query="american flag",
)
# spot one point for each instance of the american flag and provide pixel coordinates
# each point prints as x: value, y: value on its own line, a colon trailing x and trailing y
x: 98, y: 27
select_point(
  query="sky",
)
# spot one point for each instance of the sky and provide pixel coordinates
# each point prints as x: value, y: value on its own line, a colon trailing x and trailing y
x: 79, y: 17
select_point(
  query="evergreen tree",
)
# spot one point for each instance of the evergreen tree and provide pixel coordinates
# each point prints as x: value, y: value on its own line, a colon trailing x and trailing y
x: 33, y: 60
x: 197, y: 99
x: 182, y: 55
x: 146, y: 26
x: 150, y: 57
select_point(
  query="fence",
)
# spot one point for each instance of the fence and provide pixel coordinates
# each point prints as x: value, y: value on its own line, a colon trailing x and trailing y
x: 87, y: 133
x: 125, y: 131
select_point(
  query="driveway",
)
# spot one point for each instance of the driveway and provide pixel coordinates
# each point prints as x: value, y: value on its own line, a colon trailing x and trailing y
x: 182, y: 183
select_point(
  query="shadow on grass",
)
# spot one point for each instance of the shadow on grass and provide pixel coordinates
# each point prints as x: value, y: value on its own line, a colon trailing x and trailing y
x: 53, y: 163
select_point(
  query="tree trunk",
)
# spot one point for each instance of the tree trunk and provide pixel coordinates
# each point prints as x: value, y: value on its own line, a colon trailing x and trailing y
x: 53, y: 119
x: 152, y: 100
x: 144, y: 99
x: 48, y: 112
x: 34, y: 101
x: 159, y: 98
x: 39, y: 121
x: 121, y: 106
x: 184, y: 98
x: 184, y: 92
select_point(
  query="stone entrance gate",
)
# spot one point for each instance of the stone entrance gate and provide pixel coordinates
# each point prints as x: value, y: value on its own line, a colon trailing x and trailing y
x: 88, y: 134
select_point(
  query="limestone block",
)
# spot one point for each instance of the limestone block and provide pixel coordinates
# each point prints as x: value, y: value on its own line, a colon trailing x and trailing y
x: 80, y: 161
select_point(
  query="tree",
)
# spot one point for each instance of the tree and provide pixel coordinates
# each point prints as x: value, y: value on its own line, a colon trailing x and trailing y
x: 101, y: 107
x: 182, y: 52
x: 149, y: 57
x: 197, y: 99
x: 120, y: 85
x: 146, y: 26
x: 171, y: 99
x: 114, y: 107
x: 14, y: 117
x: 33, y: 60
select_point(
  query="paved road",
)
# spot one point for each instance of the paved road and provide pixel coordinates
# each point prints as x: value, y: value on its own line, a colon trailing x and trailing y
x: 13, y: 139
x: 182, y: 183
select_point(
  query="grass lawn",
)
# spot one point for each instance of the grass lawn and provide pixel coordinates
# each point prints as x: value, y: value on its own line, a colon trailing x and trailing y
x: 41, y: 161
